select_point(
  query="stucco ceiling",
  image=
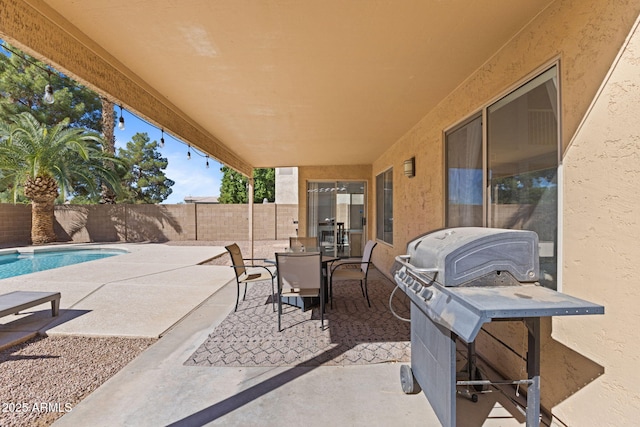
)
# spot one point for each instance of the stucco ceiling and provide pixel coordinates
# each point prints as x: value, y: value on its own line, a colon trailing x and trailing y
x: 302, y: 82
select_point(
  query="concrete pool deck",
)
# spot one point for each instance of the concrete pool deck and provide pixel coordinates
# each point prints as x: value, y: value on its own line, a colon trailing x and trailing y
x: 132, y: 295
x: 142, y: 293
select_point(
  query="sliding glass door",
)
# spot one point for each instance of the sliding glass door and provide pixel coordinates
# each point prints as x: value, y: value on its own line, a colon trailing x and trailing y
x: 522, y: 156
x: 336, y: 215
x: 464, y: 175
x: 509, y: 179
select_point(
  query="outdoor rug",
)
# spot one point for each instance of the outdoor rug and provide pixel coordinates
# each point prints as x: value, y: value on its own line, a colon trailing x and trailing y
x: 353, y: 334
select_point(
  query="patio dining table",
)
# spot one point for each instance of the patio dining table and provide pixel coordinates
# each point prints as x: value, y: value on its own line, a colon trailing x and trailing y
x: 307, y: 302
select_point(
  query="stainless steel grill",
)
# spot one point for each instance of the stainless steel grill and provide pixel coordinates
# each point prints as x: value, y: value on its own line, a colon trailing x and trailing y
x: 459, y: 279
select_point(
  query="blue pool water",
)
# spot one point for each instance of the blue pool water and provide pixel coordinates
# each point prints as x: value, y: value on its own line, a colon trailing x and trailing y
x: 16, y: 264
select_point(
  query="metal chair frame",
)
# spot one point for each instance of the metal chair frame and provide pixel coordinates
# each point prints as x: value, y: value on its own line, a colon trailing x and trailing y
x: 357, y: 274
x: 258, y: 273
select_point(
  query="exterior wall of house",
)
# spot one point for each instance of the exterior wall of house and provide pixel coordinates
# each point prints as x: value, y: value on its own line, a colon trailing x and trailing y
x: 286, y: 186
x: 588, y: 369
x: 601, y: 251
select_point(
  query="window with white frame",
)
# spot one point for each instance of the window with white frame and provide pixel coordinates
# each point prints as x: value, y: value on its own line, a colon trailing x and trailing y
x: 510, y: 180
x: 384, y: 206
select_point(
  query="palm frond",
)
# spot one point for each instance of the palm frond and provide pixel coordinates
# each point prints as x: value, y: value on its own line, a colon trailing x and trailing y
x: 68, y: 154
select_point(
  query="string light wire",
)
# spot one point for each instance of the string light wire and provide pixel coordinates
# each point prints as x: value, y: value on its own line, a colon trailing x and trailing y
x: 190, y: 149
x: 49, y: 90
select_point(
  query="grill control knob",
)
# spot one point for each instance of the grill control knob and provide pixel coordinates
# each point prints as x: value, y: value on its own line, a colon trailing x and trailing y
x: 426, y: 294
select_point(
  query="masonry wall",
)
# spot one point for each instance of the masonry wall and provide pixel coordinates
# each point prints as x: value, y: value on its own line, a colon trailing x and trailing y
x: 15, y: 224
x: 154, y: 223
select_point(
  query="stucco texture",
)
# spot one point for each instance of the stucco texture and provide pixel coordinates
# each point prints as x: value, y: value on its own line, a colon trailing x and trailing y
x: 587, y: 361
x: 601, y: 252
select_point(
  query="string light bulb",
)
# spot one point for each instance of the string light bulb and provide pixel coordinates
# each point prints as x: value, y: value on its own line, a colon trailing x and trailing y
x: 189, y: 152
x: 48, y: 94
x: 121, y: 120
x: 48, y: 89
x: 162, y: 138
x: 207, y: 161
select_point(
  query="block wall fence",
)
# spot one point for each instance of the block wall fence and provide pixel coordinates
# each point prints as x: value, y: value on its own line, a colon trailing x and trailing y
x: 155, y: 223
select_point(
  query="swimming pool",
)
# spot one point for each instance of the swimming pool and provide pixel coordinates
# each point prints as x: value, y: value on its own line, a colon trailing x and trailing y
x: 17, y: 263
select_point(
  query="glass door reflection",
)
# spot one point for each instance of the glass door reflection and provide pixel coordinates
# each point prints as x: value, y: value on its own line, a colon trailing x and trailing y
x: 336, y: 216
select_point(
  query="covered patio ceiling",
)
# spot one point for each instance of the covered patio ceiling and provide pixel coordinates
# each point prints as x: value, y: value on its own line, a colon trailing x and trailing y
x: 275, y: 82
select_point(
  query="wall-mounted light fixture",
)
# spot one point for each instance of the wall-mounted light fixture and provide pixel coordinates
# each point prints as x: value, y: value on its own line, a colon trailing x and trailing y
x: 410, y: 167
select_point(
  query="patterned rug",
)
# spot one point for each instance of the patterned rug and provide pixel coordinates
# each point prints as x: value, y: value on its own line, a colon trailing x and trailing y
x: 353, y: 334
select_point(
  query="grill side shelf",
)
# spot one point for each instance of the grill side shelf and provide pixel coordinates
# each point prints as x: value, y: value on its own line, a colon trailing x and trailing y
x: 529, y: 300
x: 464, y: 310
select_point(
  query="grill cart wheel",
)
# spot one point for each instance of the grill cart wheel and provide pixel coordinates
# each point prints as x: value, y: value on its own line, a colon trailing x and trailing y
x: 408, y: 381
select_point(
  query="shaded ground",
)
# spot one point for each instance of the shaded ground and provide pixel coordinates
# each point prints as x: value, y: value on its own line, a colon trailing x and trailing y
x: 354, y: 333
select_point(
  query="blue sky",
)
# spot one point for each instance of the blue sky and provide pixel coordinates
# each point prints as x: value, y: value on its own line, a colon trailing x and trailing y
x: 192, y: 178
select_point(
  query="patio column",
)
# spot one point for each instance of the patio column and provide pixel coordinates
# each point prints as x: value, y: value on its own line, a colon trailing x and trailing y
x: 250, y: 196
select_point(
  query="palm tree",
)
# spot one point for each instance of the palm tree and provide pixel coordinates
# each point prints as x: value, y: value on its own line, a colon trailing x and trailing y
x: 43, y: 161
x: 107, y: 196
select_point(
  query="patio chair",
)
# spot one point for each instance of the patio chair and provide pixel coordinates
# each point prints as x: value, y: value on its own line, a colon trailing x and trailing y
x: 299, y: 275
x: 298, y: 243
x: 353, y: 270
x: 250, y: 272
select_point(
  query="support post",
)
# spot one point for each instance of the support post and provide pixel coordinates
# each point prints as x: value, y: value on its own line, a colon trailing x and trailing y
x: 250, y: 197
x: 533, y: 371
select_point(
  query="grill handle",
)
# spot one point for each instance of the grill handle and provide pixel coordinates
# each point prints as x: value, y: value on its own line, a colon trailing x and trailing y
x: 404, y: 261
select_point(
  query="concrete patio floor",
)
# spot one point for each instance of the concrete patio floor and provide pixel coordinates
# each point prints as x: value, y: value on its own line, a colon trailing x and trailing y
x: 142, y: 293
x: 158, y: 389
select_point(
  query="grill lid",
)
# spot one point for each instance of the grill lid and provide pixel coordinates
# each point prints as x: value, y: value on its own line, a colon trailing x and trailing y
x: 468, y: 290
x: 460, y: 256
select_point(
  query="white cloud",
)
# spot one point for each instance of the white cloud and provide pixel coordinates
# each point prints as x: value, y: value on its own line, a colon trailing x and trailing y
x: 192, y: 178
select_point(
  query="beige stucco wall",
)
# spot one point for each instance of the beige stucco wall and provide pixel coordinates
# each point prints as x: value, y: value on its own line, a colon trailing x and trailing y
x: 580, y: 385
x: 333, y: 173
x: 584, y: 35
x: 601, y: 251
x: 286, y: 186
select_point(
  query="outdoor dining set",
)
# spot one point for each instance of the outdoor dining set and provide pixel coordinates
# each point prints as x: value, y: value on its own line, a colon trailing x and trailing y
x: 302, y: 275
